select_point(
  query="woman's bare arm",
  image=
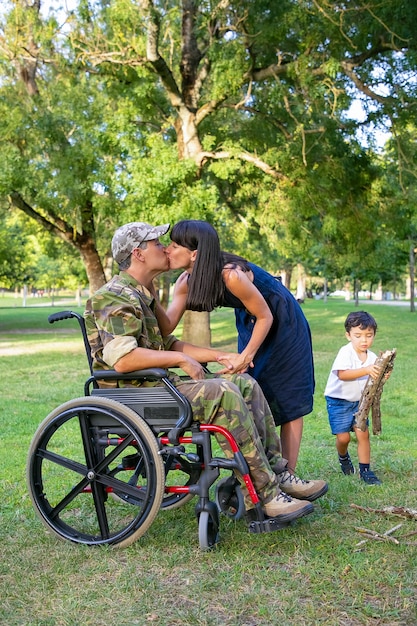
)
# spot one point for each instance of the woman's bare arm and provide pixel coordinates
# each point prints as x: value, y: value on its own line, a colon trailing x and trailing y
x: 169, y: 319
x: 239, y: 283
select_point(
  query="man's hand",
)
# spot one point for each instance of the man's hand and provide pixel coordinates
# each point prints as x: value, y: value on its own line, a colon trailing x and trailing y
x: 191, y: 367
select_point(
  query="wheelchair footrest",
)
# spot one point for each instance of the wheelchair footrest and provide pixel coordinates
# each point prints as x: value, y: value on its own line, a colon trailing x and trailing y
x: 258, y: 523
x: 268, y: 525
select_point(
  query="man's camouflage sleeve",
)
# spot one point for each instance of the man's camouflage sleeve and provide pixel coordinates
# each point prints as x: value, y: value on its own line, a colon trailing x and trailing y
x: 120, y: 318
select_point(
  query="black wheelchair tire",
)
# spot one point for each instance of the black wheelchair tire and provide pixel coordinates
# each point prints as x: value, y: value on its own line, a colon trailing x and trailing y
x: 208, y: 529
x: 69, y: 474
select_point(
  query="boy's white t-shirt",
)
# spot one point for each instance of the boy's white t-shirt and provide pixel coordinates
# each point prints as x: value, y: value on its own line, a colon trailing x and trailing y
x: 347, y: 359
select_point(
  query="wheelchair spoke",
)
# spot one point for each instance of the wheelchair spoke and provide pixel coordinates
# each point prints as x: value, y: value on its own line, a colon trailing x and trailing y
x: 99, y: 503
x: 61, y: 460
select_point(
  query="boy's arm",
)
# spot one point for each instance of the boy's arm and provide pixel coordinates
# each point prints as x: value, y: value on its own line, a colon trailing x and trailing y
x: 369, y: 370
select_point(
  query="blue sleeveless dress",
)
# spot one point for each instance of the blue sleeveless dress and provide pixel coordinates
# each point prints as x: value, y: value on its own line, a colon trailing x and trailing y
x: 283, y: 365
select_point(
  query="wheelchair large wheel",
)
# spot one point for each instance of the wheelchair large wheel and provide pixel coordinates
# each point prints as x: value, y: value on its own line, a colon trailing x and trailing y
x: 84, y: 451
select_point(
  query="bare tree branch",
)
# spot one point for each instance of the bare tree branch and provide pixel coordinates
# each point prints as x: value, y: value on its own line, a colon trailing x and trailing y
x: 244, y: 156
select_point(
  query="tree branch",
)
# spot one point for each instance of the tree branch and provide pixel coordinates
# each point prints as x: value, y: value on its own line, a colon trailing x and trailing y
x: 244, y: 156
x: 152, y: 53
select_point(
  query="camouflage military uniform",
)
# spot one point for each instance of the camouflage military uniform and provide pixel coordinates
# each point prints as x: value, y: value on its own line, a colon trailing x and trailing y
x: 120, y: 317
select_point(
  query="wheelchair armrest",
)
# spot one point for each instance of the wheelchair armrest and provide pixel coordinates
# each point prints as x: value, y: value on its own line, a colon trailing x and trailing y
x: 154, y: 373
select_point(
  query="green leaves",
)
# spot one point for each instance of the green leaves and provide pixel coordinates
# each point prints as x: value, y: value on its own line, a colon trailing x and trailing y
x: 233, y: 112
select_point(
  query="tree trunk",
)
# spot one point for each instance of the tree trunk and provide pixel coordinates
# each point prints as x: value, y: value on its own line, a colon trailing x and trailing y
x: 166, y: 284
x: 286, y: 277
x: 301, y: 284
x: 371, y: 395
x: 356, y: 291
x: 163, y: 284
x: 82, y: 241
x: 196, y: 328
x: 92, y: 263
x: 412, y: 277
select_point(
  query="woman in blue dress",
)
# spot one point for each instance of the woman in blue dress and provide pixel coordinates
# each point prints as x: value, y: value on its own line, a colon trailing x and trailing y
x: 274, y: 339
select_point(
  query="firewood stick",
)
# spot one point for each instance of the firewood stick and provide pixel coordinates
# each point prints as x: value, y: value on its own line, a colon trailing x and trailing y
x: 385, y: 361
x: 376, y: 412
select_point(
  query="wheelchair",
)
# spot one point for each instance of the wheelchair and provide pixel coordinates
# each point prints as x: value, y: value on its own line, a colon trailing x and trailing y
x: 100, y: 467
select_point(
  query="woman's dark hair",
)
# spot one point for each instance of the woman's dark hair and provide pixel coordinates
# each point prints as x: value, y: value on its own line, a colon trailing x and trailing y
x: 362, y: 319
x: 205, y: 285
x: 233, y: 260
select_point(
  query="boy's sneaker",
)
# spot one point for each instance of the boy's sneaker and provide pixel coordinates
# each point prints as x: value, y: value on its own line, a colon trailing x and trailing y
x: 370, y: 478
x: 346, y: 465
x: 301, y: 489
x: 285, y: 509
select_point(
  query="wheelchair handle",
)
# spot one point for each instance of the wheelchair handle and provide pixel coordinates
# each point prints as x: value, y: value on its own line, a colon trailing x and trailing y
x: 62, y: 315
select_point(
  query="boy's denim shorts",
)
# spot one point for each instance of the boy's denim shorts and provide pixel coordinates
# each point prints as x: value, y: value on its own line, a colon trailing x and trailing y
x: 341, y: 414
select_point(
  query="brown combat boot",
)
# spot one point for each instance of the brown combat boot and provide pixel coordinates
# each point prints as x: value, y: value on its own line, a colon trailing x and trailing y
x: 301, y: 489
x: 285, y: 509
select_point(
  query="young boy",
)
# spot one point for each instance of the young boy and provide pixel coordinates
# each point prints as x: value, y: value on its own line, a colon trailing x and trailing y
x: 348, y: 376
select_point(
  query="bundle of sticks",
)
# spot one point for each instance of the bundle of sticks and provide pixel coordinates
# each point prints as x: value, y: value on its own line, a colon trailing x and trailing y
x: 371, y: 395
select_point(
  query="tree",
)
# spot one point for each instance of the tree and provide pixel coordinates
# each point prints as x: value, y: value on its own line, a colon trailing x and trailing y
x: 232, y: 111
x: 248, y: 102
x: 56, y: 163
x: 16, y: 259
x: 397, y: 194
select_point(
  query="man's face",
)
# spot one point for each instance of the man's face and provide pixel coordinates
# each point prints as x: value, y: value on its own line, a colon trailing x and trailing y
x: 155, y: 256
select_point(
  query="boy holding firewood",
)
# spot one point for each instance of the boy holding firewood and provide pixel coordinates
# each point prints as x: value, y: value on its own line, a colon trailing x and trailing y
x: 354, y: 363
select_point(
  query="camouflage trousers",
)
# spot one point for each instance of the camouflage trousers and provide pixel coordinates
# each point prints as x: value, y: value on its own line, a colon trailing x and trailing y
x: 237, y: 403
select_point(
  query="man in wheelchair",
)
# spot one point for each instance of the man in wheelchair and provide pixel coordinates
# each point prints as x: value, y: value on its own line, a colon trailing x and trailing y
x: 124, y: 335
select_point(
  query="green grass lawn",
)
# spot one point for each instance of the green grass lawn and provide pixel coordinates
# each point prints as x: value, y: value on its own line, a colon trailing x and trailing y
x: 313, y: 572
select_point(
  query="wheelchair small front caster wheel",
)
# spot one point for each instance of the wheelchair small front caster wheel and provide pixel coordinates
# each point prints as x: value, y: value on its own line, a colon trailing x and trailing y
x: 208, y: 529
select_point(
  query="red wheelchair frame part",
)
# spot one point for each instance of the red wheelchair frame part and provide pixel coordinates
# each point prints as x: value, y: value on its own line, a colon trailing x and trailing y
x: 212, y: 428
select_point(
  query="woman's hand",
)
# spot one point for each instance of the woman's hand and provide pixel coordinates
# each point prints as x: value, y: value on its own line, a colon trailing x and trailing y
x: 234, y: 363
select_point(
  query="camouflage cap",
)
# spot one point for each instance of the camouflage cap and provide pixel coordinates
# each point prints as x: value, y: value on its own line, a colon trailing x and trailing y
x: 130, y: 236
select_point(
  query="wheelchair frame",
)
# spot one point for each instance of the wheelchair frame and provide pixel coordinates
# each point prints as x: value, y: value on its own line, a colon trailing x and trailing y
x: 100, y: 467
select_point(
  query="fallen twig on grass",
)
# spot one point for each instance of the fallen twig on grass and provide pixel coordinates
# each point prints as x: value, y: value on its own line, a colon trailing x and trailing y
x: 389, y: 510
x: 372, y: 534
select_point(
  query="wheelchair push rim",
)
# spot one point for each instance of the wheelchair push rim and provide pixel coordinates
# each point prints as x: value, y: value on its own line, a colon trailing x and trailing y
x: 85, y: 451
